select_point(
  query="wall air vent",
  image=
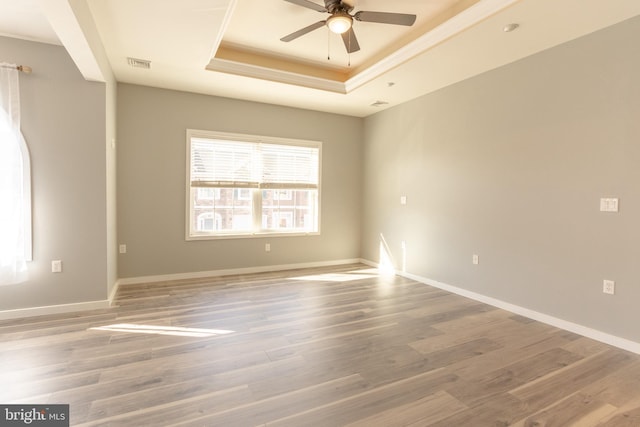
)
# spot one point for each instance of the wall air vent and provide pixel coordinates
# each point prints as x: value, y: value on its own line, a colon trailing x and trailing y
x: 139, y: 63
x: 379, y: 103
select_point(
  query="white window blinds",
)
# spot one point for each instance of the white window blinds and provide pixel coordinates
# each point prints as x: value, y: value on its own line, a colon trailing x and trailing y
x: 288, y: 166
x: 222, y: 163
x: 216, y: 163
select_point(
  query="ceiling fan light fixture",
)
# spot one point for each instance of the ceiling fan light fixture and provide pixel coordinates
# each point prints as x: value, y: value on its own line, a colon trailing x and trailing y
x: 339, y: 23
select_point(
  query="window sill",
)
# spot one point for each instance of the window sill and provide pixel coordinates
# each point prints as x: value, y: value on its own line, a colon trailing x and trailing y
x: 256, y: 235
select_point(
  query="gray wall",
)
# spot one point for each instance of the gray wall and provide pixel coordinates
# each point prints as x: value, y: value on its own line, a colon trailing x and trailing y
x: 63, y: 122
x: 511, y: 165
x: 152, y: 127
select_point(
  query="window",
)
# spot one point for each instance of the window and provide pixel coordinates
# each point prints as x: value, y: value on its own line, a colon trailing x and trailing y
x: 209, y: 221
x: 243, y: 185
x: 15, y: 183
x: 244, y: 194
x: 282, y: 195
x: 208, y: 193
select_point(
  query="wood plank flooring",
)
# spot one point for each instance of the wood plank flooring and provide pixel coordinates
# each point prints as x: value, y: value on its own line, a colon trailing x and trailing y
x: 336, y: 346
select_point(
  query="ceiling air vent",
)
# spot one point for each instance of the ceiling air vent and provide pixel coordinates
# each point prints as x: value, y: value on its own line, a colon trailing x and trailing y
x: 379, y: 103
x: 139, y: 63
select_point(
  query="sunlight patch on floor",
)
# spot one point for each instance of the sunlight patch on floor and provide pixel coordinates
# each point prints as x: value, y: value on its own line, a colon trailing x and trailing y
x: 335, y: 277
x: 162, y: 330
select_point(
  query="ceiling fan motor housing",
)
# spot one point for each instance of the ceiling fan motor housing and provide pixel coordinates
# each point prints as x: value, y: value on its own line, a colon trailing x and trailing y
x: 334, y: 6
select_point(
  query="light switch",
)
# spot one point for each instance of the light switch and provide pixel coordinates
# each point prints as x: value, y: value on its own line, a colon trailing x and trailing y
x: 56, y: 266
x: 403, y: 200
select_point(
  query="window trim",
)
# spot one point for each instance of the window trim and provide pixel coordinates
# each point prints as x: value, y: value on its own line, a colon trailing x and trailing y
x: 207, y: 134
x: 28, y: 214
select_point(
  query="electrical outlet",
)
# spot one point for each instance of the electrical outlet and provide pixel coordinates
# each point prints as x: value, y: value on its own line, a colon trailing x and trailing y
x: 403, y: 200
x: 609, y: 205
x: 475, y: 259
x: 267, y: 247
x: 609, y: 287
x: 123, y: 249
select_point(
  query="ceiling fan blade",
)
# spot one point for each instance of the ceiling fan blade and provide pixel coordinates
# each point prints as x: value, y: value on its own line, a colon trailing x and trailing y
x: 350, y: 41
x: 308, y: 4
x: 386, y: 18
x: 303, y: 31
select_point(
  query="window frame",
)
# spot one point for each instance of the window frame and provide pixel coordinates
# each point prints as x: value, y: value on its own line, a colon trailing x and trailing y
x: 257, y: 210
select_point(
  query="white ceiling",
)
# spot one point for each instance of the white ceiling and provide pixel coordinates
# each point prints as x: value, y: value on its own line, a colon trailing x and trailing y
x: 23, y: 19
x: 231, y: 48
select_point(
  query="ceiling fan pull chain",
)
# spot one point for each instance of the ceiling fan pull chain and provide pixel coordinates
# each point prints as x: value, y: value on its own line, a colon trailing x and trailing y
x: 349, y: 53
x: 328, y: 45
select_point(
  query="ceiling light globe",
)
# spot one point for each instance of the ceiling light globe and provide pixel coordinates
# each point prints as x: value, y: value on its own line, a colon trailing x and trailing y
x: 339, y: 23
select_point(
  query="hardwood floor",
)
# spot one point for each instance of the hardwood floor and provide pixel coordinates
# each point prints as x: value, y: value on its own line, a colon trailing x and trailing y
x: 323, y: 347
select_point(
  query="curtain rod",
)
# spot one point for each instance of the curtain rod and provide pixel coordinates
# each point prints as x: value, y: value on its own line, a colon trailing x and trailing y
x: 24, y: 68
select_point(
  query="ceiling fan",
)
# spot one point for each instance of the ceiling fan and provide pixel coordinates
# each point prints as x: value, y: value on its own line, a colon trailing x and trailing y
x: 341, y: 20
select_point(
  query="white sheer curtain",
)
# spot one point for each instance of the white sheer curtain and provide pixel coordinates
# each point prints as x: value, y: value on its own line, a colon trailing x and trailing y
x: 15, y: 183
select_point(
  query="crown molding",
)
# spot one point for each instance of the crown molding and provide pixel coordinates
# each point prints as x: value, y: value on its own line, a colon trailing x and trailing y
x: 274, y: 75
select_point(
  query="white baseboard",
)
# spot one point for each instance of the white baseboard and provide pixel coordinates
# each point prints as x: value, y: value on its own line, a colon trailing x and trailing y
x: 369, y: 263
x: 93, y: 305
x: 595, y: 334
x: 53, y: 309
x: 232, y: 271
